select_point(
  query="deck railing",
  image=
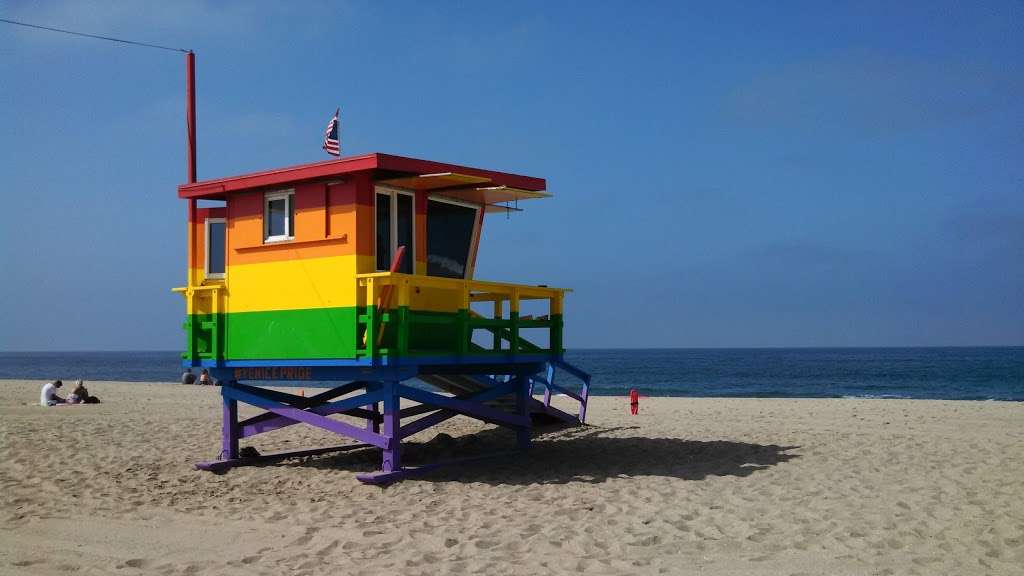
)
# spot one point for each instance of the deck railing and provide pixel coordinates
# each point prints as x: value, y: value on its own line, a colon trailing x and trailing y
x: 388, y: 324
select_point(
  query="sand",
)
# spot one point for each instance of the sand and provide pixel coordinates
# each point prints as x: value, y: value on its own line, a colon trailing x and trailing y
x: 690, y: 486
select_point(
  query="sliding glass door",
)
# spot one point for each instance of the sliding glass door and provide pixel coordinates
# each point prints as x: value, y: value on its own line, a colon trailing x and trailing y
x: 395, y: 216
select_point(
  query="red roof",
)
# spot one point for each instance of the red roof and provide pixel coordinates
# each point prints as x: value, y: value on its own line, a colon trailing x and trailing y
x: 392, y: 165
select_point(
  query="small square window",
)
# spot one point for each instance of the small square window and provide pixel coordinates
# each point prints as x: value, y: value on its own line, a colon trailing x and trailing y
x: 279, y: 216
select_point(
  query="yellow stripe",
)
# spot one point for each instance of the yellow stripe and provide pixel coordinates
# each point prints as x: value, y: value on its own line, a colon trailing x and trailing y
x: 294, y: 284
x: 307, y: 283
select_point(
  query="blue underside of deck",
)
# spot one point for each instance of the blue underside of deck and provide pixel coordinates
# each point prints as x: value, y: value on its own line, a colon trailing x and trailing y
x: 325, y: 373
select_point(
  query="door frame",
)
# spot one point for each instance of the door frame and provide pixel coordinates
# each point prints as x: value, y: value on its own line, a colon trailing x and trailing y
x: 393, y: 192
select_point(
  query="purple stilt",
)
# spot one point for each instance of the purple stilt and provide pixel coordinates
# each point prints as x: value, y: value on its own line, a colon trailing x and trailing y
x: 229, y: 430
x: 392, y: 459
x: 523, y: 409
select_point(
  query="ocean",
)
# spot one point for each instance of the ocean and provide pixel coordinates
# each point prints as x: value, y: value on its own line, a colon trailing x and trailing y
x: 993, y: 373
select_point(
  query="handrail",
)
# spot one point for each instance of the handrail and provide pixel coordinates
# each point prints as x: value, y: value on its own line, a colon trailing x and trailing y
x: 394, y: 278
x: 199, y: 288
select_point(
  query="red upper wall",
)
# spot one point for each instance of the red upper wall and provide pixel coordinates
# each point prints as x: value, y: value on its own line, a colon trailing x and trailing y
x: 393, y: 165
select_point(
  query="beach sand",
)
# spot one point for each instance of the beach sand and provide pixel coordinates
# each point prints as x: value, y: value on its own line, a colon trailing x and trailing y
x: 690, y: 486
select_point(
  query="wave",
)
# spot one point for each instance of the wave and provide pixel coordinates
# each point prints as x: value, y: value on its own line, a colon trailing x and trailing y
x: 878, y: 397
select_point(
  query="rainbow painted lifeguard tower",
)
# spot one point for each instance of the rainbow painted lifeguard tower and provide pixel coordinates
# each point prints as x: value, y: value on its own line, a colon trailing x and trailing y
x: 356, y: 275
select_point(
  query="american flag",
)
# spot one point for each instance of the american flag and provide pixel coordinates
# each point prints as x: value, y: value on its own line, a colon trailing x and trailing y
x: 331, y: 142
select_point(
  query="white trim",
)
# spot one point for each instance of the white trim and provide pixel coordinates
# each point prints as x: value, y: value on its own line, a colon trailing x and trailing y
x: 206, y: 255
x: 375, y: 208
x: 448, y: 200
x: 289, y: 209
x: 393, y: 193
x: 473, y: 239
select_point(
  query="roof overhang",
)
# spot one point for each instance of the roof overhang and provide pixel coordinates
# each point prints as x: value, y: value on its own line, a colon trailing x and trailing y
x: 468, y: 188
x: 489, y: 195
x: 428, y: 175
x: 435, y: 181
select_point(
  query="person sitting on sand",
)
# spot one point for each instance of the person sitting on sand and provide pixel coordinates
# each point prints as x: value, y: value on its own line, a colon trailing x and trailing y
x: 48, y: 396
x: 80, y: 395
x: 204, y: 378
x: 188, y: 377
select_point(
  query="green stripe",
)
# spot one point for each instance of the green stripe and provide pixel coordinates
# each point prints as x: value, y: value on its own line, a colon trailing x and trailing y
x: 332, y: 333
x: 292, y: 334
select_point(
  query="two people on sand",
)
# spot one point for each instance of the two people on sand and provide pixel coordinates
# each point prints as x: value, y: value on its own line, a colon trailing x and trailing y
x: 79, y: 395
x: 204, y: 378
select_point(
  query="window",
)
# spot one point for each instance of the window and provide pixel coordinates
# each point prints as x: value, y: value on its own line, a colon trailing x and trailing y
x: 383, y: 231
x: 450, y: 229
x: 215, y: 247
x: 395, y: 217
x: 279, y: 216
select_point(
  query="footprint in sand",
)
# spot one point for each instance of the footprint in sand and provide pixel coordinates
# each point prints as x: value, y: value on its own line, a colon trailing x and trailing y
x: 485, y: 544
x: 137, y: 563
x: 326, y: 550
x: 305, y: 538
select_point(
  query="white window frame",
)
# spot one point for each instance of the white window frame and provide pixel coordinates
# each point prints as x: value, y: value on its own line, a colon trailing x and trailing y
x: 476, y: 227
x: 289, y: 197
x: 206, y: 259
x: 393, y: 193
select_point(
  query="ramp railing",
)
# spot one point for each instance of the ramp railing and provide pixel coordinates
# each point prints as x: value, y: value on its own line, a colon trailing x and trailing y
x: 551, y: 387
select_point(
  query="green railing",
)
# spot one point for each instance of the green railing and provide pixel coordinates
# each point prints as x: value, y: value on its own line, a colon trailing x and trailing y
x: 389, y: 324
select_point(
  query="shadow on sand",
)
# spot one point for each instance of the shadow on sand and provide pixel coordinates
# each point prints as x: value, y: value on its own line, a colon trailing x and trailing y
x: 570, y: 454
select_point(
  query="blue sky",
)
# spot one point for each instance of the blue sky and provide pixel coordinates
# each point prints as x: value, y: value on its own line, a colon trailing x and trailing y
x: 727, y: 174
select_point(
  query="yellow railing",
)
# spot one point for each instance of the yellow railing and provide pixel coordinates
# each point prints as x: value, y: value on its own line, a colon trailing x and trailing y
x: 202, y: 300
x: 387, y: 297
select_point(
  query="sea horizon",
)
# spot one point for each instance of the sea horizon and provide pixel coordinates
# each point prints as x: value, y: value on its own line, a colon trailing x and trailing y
x: 800, y: 347
x: 908, y: 372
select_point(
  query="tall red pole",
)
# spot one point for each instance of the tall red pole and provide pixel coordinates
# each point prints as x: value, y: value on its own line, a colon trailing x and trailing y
x: 190, y: 112
x: 190, y: 120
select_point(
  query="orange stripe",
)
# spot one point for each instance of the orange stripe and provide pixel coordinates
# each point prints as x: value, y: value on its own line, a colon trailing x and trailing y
x: 245, y: 236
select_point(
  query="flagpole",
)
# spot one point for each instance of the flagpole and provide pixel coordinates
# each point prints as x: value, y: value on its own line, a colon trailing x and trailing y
x: 190, y: 157
x: 190, y: 112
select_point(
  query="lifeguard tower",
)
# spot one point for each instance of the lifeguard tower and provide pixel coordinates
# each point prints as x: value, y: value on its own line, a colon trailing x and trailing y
x: 356, y: 275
